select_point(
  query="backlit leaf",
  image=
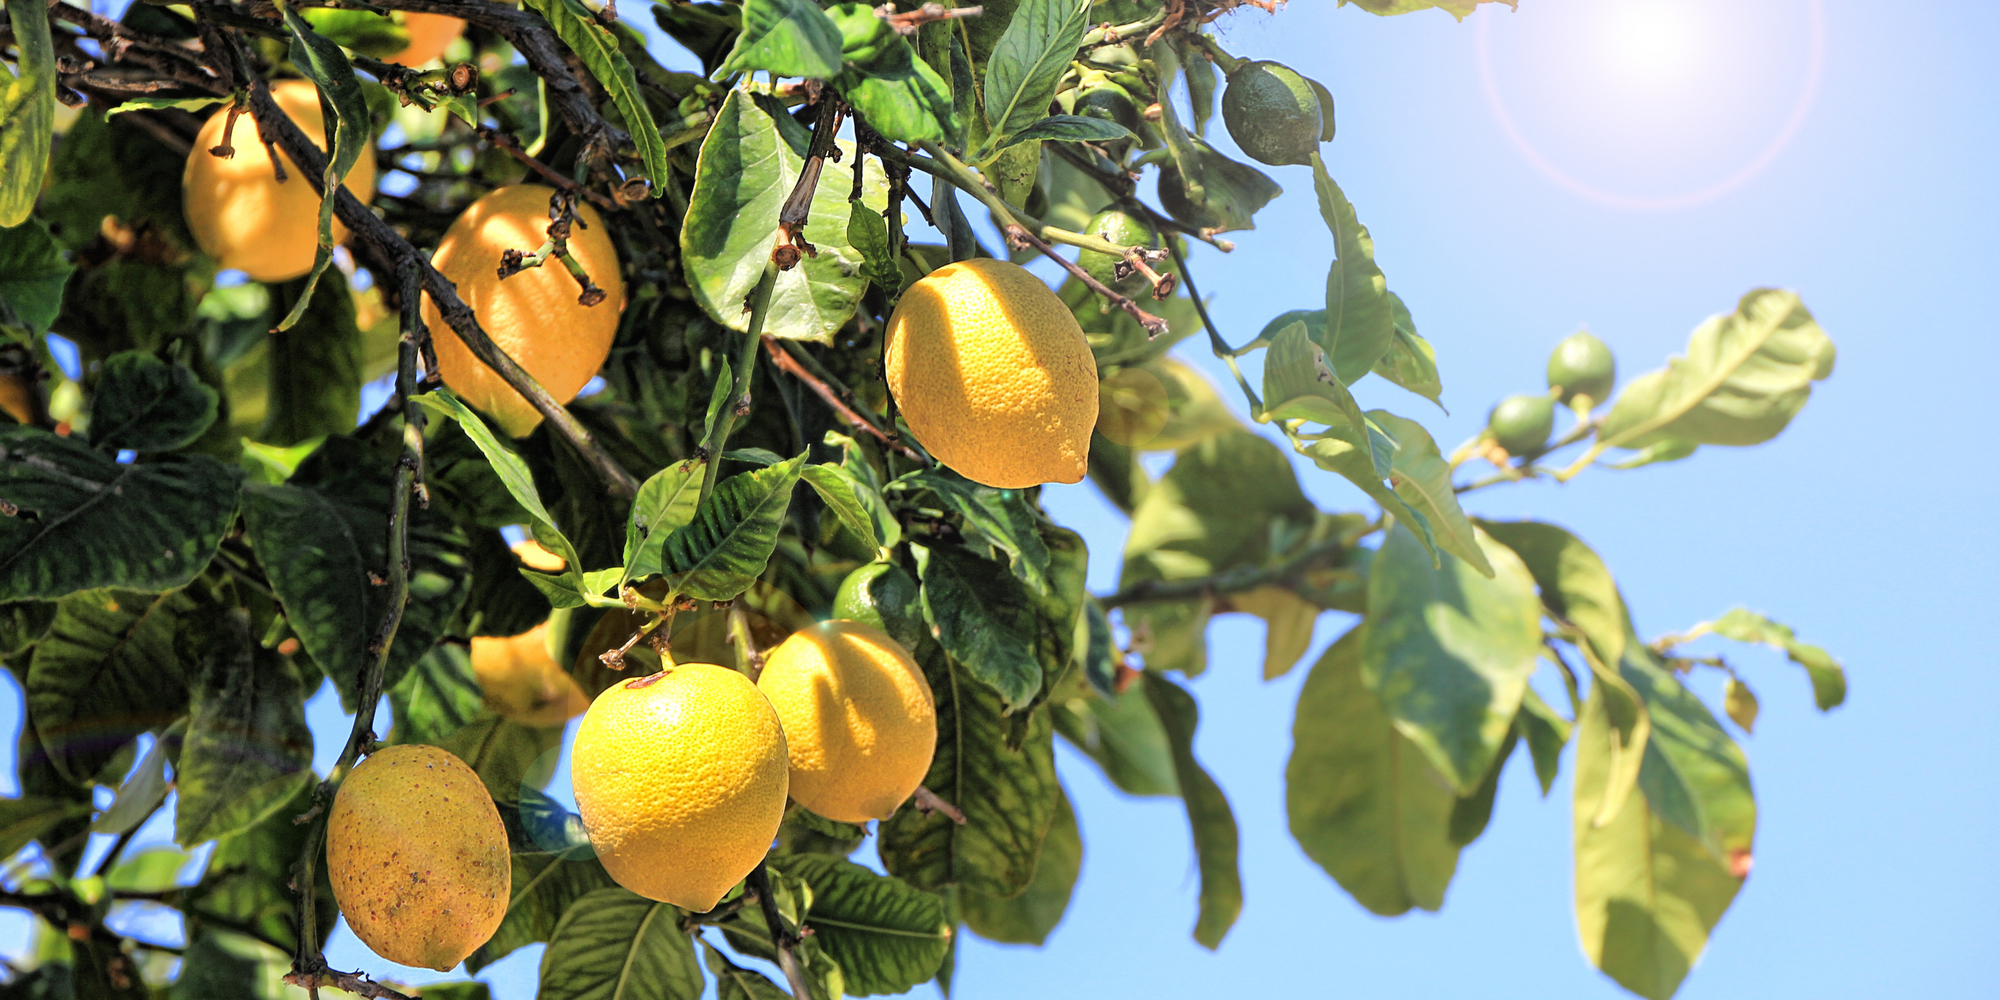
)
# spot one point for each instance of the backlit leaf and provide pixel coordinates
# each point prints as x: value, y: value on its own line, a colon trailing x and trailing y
x: 785, y: 38
x: 1360, y: 319
x: 1209, y: 815
x: 27, y: 112
x: 1029, y: 917
x: 597, y: 47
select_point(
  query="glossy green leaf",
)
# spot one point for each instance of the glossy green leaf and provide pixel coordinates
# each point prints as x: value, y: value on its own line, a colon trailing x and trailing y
x: 665, y: 504
x: 886, y: 936
x: 868, y: 233
x: 87, y: 521
x: 319, y: 537
x: 901, y: 96
x: 1209, y: 815
x: 1360, y: 319
x: 785, y: 38
x: 1449, y: 651
x: 1124, y: 736
x: 842, y: 496
x: 725, y: 548
x: 1208, y: 190
x: 1003, y: 518
x: 145, y: 404
x: 1362, y: 799
x: 998, y: 770
x: 1745, y: 376
x: 1422, y: 478
x: 544, y: 888
x: 27, y: 112
x: 985, y: 620
x: 1647, y: 893
x: 328, y: 68
x: 32, y: 274
x: 597, y: 47
x: 734, y: 982
x: 614, y: 944
x: 1357, y: 454
x: 1072, y: 128
x: 248, y: 885
x: 1829, y: 680
x: 1028, y: 918
x: 109, y: 670
x: 1410, y: 360
x: 248, y: 751
x: 26, y: 818
x: 313, y: 369
x: 1029, y: 61
x: 748, y: 167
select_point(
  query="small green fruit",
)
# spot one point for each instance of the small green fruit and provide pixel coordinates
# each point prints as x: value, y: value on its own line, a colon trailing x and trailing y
x: 1109, y: 101
x: 1522, y: 424
x: 1123, y: 230
x: 1273, y: 113
x: 882, y: 595
x: 1582, y: 366
x: 1181, y: 208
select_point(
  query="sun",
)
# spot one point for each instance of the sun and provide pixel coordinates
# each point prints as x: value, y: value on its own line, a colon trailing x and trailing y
x: 1652, y: 105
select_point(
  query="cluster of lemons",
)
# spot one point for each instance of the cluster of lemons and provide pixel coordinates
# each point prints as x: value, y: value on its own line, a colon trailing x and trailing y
x: 682, y: 777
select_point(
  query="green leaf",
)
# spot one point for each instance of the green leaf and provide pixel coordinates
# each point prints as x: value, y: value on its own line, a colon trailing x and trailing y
x: 1004, y: 518
x: 327, y: 67
x: 868, y: 234
x: 1071, y: 128
x: 1547, y: 733
x: 665, y: 504
x: 32, y: 273
x: 1575, y: 585
x: 725, y: 548
x: 1745, y: 376
x: 1209, y: 816
x: 27, y: 112
x: 1029, y: 917
x: 842, y: 494
x: 507, y: 755
x: 1460, y: 9
x: 1124, y: 736
x: 24, y: 819
x: 998, y: 770
x: 1355, y: 454
x: 155, y: 869
x: 1360, y: 320
x: 249, y: 875
x: 144, y: 790
x: 1422, y: 478
x: 1647, y: 893
x: 314, y: 368
x: 1693, y: 776
x: 145, y: 404
x: 885, y: 935
x: 1829, y: 680
x: 1740, y: 703
x: 747, y: 169
x: 87, y: 521
x: 1615, y: 726
x: 248, y: 751
x: 1288, y: 625
x: 1029, y: 61
x: 614, y: 944
x: 734, y: 982
x: 150, y: 102
x: 597, y: 47
x: 545, y: 886
x: 1362, y: 799
x: 1449, y: 651
x: 1299, y: 385
x: 785, y: 38
x: 1206, y: 189
x: 109, y: 670
x: 985, y: 620
x: 1471, y: 813
x: 901, y: 96
x: 437, y: 697
x: 1410, y: 361
x: 319, y: 537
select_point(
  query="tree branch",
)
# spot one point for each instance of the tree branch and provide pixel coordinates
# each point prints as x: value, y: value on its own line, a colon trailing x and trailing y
x: 794, y: 361
x: 1233, y: 581
x: 784, y: 941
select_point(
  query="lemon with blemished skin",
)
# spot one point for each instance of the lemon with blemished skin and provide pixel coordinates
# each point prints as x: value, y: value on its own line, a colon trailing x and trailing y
x: 533, y: 314
x: 418, y: 857
x: 430, y: 35
x: 859, y: 719
x: 681, y: 778
x: 993, y: 374
x: 521, y: 680
x: 239, y: 212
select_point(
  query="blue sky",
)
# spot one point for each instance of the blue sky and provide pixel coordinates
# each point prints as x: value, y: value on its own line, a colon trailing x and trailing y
x: 1867, y: 526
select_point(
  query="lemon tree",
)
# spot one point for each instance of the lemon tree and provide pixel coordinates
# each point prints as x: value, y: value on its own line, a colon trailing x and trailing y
x: 694, y: 429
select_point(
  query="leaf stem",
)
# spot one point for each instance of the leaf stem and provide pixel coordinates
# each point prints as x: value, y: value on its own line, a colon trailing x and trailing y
x: 744, y: 370
x: 784, y: 941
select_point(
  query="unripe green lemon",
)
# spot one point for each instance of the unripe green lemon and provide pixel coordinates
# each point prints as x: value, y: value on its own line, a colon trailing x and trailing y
x: 993, y: 374
x: 1582, y: 366
x: 881, y: 595
x: 1521, y: 424
x: 681, y: 779
x: 1182, y: 209
x: 860, y: 725
x: 1272, y: 112
x: 418, y: 857
x: 1101, y: 97
x: 1125, y: 230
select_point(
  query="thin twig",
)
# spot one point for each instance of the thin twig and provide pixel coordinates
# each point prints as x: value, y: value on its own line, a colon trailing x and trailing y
x: 797, y: 209
x: 784, y: 941
x: 792, y: 361
x: 928, y: 801
x: 1234, y: 581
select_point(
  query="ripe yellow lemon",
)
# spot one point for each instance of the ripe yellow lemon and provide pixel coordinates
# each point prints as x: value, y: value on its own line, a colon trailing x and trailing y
x: 681, y: 780
x: 418, y: 857
x: 238, y: 211
x: 430, y: 35
x: 860, y: 724
x: 533, y: 315
x: 523, y: 682
x: 994, y: 375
